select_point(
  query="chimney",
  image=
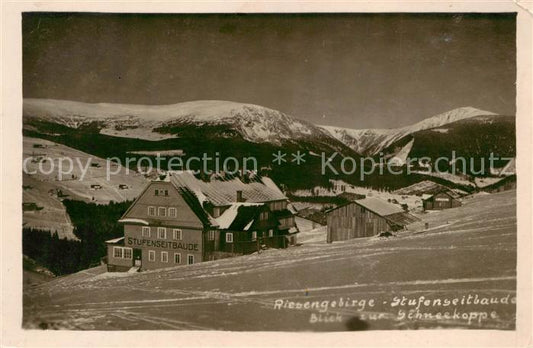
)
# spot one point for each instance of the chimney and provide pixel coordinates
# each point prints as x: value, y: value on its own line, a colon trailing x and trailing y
x: 239, y: 196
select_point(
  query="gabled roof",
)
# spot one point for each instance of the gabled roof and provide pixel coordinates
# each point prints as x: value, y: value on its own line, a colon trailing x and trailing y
x: 245, y: 217
x: 390, y: 212
x: 447, y: 192
x: 192, y: 201
x: 379, y: 206
x: 401, y: 219
x: 222, y: 191
x: 231, y: 214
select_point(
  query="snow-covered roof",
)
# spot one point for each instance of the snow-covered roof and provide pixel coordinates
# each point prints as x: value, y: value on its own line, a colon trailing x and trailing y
x: 225, y: 220
x: 247, y: 227
x: 223, y: 191
x: 134, y: 221
x: 379, y: 206
x: 115, y: 241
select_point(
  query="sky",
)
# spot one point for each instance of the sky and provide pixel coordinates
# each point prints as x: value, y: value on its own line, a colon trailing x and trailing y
x: 346, y: 70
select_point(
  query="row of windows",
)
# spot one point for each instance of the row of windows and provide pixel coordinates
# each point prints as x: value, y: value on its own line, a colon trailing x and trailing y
x: 162, y: 211
x: 164, y: 257
x: 177, y: 234
x: 229, y: 236
x: 122, y: 253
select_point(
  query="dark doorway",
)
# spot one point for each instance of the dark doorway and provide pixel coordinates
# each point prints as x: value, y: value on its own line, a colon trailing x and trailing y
x: 137, y: 257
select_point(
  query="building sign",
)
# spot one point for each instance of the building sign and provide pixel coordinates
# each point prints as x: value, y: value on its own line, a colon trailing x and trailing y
x: 130, y: 241
x: 442, y: 199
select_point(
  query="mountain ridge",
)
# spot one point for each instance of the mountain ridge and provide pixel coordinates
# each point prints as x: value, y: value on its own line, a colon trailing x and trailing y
x: 254, y: 122
x: 371, y: 141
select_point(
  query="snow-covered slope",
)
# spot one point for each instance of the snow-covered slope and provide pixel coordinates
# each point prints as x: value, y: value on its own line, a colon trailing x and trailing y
x: 371, y: 141
x: 254, y: 123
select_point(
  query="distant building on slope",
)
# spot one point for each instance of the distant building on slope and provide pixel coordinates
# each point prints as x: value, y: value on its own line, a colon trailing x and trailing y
x: 365, y: 218
x: 184, y: 220
x: 443, y: 199
x: 505, y: 184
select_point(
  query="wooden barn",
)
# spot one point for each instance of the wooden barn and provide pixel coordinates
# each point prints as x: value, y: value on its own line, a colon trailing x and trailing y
x: 365, y: 218
x: 184, y: 219
x: 444, y: 199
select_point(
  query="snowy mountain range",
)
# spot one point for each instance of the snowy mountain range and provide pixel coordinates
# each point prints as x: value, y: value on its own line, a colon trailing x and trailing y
x: 154, y: 122
x: 372, y: 141
x: 254, y: 123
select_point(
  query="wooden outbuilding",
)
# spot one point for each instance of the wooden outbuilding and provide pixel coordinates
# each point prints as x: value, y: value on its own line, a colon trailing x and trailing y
x: 444, y: 199
x: 365, y: 218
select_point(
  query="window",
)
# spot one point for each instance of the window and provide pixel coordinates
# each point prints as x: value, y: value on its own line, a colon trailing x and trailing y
x: 211, y: 235
x: 146, y: 231
x: 263, y: 215
x: 157, y: 192
x: 177, y: 258
x: 117, y: 252
x: 229, y: 237
x: 166, y: 192
x: 190, y: 259
x: 162, y: 211
x: 172, y: 212
x: 177, y: 234
x: 162, y: 232
x: 122, y: 253
x: 271, y: 233
x: 127, y: 253
x: 254, y: 235
x: 151, y: 255
x: 164, y: 256
x: 151, y: 211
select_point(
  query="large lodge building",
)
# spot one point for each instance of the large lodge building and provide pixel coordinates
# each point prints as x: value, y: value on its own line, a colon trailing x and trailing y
x: 184, y: 219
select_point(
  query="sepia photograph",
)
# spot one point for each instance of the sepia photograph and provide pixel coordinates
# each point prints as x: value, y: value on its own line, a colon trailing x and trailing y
x: 268, y: 172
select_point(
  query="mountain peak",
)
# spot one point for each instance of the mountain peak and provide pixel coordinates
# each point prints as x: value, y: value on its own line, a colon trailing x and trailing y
x: 371, y: 141
x: 447, y: 117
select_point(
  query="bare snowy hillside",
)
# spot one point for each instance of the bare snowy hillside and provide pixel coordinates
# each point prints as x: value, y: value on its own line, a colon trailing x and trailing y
x: 371, y: 141
x: 43, y: 190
